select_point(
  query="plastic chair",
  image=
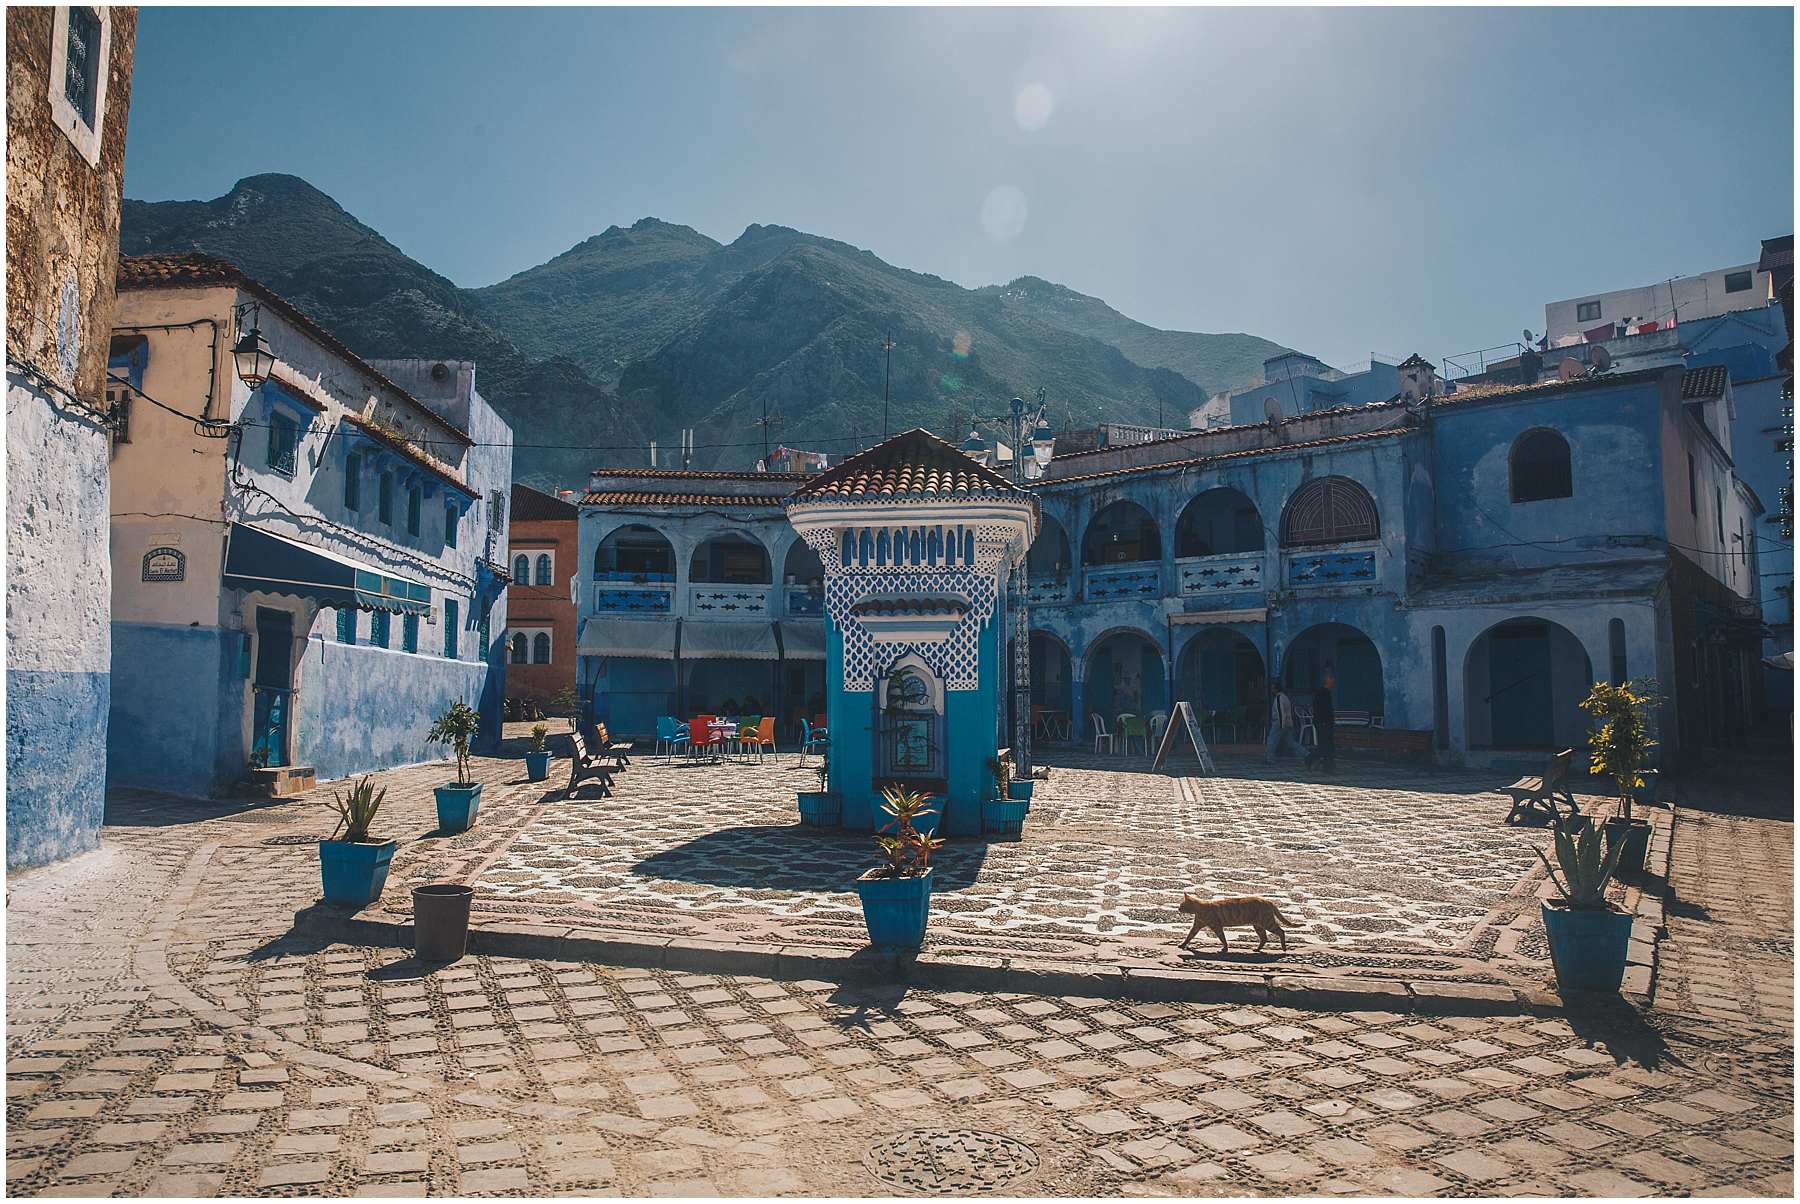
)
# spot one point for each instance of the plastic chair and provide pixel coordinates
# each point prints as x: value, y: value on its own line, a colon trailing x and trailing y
x: 1124, y: 716
x: 763, y: 738
x: 748, y: 727
x: 1100, y: 733
x: 671, y: 734
x: 812, y: 740
x: 1158, y: 721
x: 1305, y: 716
x: 1132, y: 727
x: 700, y: 736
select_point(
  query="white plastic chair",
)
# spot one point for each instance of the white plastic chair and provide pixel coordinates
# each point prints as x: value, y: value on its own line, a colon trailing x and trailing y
x: 1100, y: 733
x: 1305, y: 716
x: 1158, y: 721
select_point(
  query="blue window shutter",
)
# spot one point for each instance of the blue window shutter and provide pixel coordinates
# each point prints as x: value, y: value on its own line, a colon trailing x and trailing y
x: 346, y: 624
x: 450, y: 517
x: 450, y: 621
x: 409, y: 633
x: 378, y: 628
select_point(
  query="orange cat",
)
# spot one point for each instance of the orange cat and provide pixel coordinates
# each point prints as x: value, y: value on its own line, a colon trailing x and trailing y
x: 1220, y: 914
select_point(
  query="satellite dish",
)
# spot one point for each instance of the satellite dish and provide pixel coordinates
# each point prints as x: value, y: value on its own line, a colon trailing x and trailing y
x: 1526, y: 336
x: 1272, y: 411
x: 1602, y: 358
x: 1570, y: 369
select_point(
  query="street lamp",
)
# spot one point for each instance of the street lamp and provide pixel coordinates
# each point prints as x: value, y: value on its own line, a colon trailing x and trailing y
x: 1021, y: 425
x: 253, y: 357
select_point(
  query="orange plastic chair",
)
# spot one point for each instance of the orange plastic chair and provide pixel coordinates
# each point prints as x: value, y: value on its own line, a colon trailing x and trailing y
x: 764, y: 737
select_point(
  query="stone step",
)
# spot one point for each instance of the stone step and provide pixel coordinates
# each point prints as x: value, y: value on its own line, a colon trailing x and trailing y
x: 283, y: 781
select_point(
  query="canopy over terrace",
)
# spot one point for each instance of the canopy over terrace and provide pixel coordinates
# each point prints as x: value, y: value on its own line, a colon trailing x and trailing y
x: 917, y: 540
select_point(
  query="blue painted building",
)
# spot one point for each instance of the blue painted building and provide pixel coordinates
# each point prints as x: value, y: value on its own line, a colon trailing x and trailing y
x: 1300, y: 384
x: 306, y: 568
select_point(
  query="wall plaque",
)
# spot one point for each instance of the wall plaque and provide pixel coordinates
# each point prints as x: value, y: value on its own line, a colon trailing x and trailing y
x: 165, y: 564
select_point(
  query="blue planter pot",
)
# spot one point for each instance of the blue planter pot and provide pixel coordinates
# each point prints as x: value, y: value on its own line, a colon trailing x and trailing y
x: 537, y: 765
x: 1003, y: 817
x: 1587, y: 947
x: 1635, y: 835
x: 353, y: 874
x: 895, y: 909
x: 456, y: 807
x: 1020, y: 791
x: 820, y: 810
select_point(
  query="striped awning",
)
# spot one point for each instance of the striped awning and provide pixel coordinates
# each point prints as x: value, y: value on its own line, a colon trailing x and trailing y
x: 701, y: 641
x: 803, y: 641
x: 263, y: 561
x: 649, y: 639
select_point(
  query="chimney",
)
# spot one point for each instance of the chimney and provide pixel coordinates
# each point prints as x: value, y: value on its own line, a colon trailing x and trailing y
x: 1531, y: 366
x: 1418, y: 379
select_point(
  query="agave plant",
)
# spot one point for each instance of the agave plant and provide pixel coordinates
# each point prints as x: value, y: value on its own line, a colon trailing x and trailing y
x: 357, y: 811
x: 906, y: 851
x: 539, y: 734
x: 1586, y: 869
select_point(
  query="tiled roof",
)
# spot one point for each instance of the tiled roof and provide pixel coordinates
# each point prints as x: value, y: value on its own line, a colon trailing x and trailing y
x: 408, y: 451
x: 1195, y: 461
x: 615, y: 497
x: 1704, y: 383
x: 1206, y: 433
x: 531, y: 506
x: 915, y: 464
x: 1415, y: 360
x: 1486, y: 392
x: 194, y: 269
x: 701, y: 474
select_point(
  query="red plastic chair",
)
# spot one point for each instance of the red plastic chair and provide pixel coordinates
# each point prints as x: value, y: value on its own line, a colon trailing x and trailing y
x: 700, y: 735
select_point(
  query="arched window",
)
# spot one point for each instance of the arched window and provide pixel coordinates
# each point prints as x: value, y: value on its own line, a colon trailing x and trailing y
x: 1540, y: 467
x: 520, y: 648
x: 540, y: 648
x: 522, y: 569
x: 543, y: 569
x: 634, y: 553
x: 1219, y: 522
x: 731, y: 560
x: 1329, y: 510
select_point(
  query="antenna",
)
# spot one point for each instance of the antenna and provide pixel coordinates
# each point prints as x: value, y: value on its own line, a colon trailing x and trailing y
x: 887, y: 380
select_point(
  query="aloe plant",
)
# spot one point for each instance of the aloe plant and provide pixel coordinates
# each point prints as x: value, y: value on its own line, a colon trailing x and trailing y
x: 1586, y: 869
x: 357, y: 811
x: 538, y: 736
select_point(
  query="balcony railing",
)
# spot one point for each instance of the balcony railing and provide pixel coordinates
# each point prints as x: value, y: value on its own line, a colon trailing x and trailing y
x: 634, y: 577
x: 1313, y: 569
x: 623, y: 598
x: 1040, y: 591
x: 1107, y: 583
x: 805, y: 600
x: 729, y: 601
x: 1228, y: 573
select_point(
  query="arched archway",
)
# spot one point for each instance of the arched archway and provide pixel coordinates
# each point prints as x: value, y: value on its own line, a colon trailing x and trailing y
x: 1221, y: 674
x: 802, y: 566
x: 1329, y: 510
x: 1052, y: 682
x: 1048, y: 559
x: 1219, y: 522
x: 729, y: 560
x: 1121, y: 533
x: 1354, y: 659
x: 634, y: 553
x: 1125, y: 674
x: 1524, y: 680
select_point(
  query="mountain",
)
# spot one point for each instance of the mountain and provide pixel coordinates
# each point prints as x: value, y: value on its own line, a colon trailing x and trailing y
x: 634, y: 334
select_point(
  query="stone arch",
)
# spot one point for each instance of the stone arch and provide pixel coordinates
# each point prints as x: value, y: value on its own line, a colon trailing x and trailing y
x: 1329, y: 510
x: 1122, y: 532
x: 1219, y: 522
x: 1523, y: 681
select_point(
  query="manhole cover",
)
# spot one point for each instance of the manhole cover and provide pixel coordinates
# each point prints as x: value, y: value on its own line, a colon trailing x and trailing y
x: 950, y: 1162
x: 280, y: 841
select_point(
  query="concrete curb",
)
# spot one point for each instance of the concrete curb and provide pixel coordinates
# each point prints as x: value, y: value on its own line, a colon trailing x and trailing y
x: 1648, y: 915
x: 942, y: 971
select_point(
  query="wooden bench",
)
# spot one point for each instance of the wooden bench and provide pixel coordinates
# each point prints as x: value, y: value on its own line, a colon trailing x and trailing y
x: 1546, y: 795
x: 584, y: 764
x: 1402, y: 741
x: 620, y: 750
x: 1355, y: 719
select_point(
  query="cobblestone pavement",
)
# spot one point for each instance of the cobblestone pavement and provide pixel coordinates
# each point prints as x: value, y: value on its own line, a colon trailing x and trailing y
x: 168, y: 1034
x: 1433, y: 884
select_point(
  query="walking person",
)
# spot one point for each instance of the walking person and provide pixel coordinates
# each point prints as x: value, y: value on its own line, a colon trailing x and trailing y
x: 1324, y: 753
x: 1283, y: 724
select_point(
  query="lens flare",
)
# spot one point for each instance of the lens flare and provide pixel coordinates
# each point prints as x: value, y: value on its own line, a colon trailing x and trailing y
x: 950, y: 382
x: 1033, y: 105
x: 1003, y: 213
x: 959, y: 344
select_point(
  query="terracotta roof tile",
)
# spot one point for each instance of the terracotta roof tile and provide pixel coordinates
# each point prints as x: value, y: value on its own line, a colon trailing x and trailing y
x: 532, y: 506
x: 1195, y: 461
x: 616, y: 497
x: 702, y: 474
x: 1704, y: 383
x: 194, y: 269
x: 913, y: 464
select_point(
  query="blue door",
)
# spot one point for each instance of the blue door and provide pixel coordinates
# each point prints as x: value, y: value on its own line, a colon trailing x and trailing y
x: 272, y: 686
x: 1519, y: 686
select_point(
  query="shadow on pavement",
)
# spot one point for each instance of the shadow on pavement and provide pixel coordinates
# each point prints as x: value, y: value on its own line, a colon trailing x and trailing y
x: 792, y: 857
x: 861, y: 1000
x: 134, y: 808
x: 1608, y: 1022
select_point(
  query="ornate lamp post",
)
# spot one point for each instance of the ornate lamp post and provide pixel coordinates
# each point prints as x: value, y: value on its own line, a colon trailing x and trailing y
x: 1020, y: 426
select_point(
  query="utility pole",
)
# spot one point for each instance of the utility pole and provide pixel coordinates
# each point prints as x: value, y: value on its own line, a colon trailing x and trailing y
x: 887, y: 345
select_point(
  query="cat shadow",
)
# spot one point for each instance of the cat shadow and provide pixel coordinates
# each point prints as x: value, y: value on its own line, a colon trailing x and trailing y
x: 1236, y: 957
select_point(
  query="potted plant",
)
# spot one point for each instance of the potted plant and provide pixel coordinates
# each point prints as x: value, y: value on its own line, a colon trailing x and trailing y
x: 537, y: 758
x: 820, y: 808
x: 458, y: 802
x: 896, y: 895
x: 1588, y: 936
x: 353, y: 866
x: 1619, y: 745
x: 1004, y: 814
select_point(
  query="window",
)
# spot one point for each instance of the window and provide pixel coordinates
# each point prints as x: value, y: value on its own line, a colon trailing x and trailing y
x: 126, y: 357
x: 353, y: 482
x: 1739, y: 282
x: 1329, y: 510
x: 481, y: 635
x: 378, y: 628
x: 346, y: 623
x: 384, y: 498
x: 1540, y: 467
x: 80, y: 43
x: 450, y: 517
x: 450, y: 621
x: 546, y: 569
x: 284, y: 443
x: 413, y: 499
x: 1693, y: 489
x: 409, y: 633
x: 540, y: 648
x: 522, y: 569
x: 520, y: 648
x: 1587, y: 311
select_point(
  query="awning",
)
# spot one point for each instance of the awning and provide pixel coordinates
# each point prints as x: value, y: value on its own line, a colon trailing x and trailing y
x: 258, y: 560
x: 727, y: 641
x: 1781, y: 660
x: 1253, y: 614
x: 647, y: 639
x: 803, y: 641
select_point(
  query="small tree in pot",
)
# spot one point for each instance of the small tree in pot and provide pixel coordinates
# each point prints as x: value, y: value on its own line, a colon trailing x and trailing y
x: 353, y: 866
x: 537, y: 757
x: 458, y: 802
x: 896, y: 895
x: 1619, y: 745
x: 1589, y: 938
x: 1004, y: 814
x: 821, y: 808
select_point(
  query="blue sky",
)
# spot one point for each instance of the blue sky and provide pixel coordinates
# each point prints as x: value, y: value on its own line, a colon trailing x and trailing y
x: 1342, y: 181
